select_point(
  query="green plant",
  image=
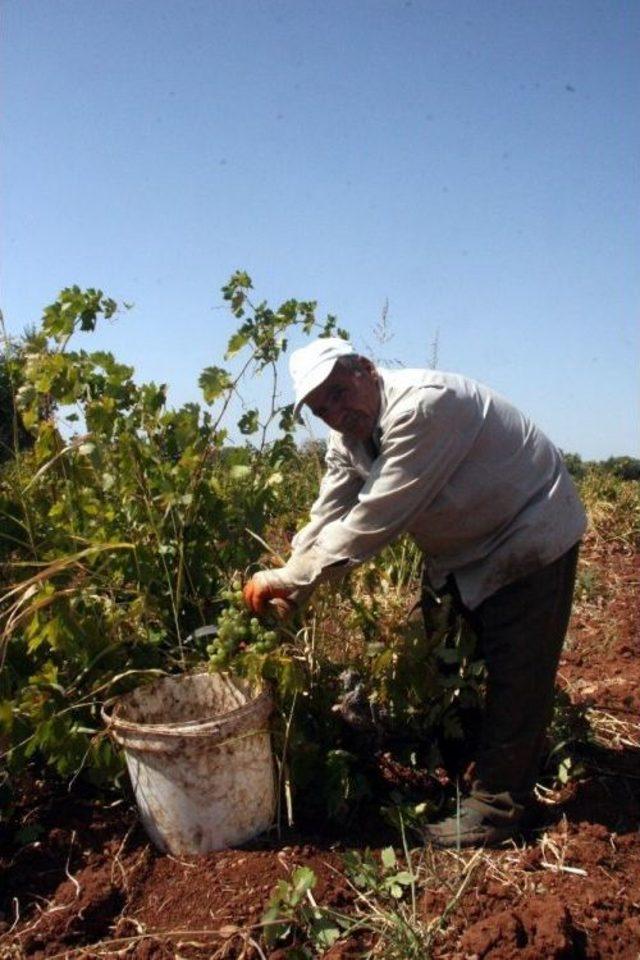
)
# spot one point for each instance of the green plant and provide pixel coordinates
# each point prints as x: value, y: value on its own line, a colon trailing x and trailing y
x: 116, y: 543
x: 293, y: 912
x: 392, y: 919
x: 568, y: 734
x: 381, y: 875
x: 589, y: 585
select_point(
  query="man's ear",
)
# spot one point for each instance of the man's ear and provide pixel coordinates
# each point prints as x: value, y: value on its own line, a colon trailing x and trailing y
x: 366, y: 365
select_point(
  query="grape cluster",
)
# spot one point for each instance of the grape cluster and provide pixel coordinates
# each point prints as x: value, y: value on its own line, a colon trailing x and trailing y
x: 238, y: 631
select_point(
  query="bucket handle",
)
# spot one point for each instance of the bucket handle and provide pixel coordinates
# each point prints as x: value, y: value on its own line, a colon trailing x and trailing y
x: 105, y: 712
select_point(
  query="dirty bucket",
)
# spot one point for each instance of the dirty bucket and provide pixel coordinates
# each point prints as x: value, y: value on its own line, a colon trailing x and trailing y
x: 198, y: 750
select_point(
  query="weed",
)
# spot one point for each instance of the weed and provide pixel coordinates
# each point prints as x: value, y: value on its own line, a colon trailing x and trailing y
x: 292, y: 913
x: 380, y: 876
x: 589, y: 586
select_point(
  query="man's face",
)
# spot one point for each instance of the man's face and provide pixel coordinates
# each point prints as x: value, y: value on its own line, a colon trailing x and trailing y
x: 349, y: 399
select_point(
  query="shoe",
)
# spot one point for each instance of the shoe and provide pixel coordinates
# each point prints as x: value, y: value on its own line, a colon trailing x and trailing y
x: 472, y: 828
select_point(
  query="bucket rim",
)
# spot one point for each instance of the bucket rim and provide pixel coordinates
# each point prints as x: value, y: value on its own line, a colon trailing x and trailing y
x: 185, y: 728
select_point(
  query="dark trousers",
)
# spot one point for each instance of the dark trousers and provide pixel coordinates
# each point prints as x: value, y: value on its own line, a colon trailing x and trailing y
x: 521, y: 629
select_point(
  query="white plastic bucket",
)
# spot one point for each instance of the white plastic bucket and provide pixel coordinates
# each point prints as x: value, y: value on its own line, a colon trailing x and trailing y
x: 198, y: 750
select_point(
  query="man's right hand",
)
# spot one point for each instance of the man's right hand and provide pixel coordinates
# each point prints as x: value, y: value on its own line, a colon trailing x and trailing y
x: 263, y: 590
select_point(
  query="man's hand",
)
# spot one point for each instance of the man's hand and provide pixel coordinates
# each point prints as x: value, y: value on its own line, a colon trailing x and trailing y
x: 262, y: 590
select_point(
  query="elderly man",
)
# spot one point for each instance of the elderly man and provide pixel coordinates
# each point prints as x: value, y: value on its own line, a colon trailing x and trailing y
x: 488, y: 499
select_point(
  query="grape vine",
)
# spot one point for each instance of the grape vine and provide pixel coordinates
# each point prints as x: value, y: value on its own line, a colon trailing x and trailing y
x: 238, y: 631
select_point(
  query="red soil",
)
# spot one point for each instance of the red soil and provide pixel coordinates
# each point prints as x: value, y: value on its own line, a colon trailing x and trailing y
x: 92, y: 886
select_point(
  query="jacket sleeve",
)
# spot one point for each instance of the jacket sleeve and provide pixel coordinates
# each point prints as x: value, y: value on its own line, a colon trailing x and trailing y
x: 337, y: 495
x: 420, y: 451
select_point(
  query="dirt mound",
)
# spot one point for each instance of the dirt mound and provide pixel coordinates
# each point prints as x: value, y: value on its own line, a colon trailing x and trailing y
x: 230, y: 887
x: 541, y: 927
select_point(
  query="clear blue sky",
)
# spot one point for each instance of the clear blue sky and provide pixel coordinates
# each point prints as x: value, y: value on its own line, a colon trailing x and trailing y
x: 475, y: 162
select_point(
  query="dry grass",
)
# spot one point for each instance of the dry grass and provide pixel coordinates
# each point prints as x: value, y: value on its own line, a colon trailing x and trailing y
x: 613, y: 732
x: 613, y: 507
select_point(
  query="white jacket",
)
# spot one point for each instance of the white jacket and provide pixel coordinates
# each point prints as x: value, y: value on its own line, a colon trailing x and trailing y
x: 483, y: 492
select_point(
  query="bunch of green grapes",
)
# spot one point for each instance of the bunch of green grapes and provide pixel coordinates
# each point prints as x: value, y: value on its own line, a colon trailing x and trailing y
x: 238, y: 630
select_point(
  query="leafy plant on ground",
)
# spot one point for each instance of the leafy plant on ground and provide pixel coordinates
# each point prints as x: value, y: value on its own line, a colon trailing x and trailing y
x: 569, y: 731
x: 380, y: 875
x: 292, y: 912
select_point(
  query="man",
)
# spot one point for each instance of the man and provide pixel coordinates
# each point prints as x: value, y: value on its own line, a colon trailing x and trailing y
x: 488, y: 499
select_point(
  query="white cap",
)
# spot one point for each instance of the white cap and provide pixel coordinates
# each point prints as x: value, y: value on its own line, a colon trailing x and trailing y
x: 311, y: 365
